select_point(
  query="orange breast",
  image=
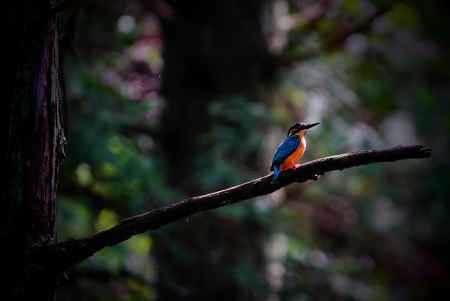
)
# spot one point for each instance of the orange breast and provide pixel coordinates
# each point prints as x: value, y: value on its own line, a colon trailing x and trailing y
x: 295, y: 156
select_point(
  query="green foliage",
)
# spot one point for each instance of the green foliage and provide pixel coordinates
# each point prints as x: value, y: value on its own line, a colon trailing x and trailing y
x: 373, y: 233
x: 233, y: 142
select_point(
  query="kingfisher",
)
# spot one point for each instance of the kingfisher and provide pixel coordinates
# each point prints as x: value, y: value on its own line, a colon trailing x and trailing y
x: 291, y: 149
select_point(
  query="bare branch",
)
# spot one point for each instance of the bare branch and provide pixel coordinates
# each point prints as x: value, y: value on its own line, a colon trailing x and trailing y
x: 337, y: 38
x: 63, y: 255
x: 333, y: 41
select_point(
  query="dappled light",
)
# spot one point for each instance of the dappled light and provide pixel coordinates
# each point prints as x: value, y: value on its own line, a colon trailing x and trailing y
x: 144, y: 157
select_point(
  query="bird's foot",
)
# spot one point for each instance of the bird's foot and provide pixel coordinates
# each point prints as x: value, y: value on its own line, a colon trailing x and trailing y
x: 297, y: 165
x: 315, y: 177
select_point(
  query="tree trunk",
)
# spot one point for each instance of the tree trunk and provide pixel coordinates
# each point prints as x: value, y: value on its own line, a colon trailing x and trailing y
x: 33, y: 149
x: 210, y: 49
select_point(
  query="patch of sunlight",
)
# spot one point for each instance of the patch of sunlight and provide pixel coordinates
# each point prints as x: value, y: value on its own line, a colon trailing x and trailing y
x: 106, y: 219
x: 83, y: 174
x: 141, y: 244
x: 115, y: 146
x: 108, y: 169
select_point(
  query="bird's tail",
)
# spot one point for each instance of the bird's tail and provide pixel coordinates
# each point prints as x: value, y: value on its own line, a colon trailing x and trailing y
x: 276, y: 173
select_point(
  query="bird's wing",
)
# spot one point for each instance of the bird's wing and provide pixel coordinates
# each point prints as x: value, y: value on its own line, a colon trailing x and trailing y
x: 287, y: 147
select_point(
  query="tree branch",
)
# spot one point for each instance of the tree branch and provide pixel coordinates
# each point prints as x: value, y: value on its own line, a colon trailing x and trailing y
x: 334, y: 40
x: 63, y: 255
x: 337, y: 38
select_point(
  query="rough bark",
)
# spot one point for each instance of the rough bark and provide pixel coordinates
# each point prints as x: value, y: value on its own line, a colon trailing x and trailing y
x: 34, y: 147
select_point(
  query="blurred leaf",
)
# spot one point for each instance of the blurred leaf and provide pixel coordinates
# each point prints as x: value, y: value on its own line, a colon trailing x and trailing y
x: 106, y: 219
x: 140, y: 244
x: 84, y: 174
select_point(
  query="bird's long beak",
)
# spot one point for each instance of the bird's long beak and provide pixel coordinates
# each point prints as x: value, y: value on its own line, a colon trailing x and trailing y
x: 310, y: 125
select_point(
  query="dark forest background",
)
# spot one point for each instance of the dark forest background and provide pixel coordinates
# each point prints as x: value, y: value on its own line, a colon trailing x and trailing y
x: 168, y: 99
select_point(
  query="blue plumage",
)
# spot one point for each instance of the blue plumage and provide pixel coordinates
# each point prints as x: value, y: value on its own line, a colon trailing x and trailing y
x: 287, y: 147
x: 276, y: 172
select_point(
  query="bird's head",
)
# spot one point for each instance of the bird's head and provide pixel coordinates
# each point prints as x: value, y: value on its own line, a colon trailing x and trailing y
x: 300, y: 128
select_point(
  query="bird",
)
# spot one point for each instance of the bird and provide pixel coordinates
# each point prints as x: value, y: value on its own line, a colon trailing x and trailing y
x: 291, y: 149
